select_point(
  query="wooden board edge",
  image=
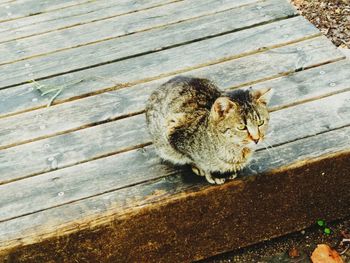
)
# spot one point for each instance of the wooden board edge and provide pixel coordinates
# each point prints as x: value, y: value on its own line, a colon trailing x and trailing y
x: 153, y: 233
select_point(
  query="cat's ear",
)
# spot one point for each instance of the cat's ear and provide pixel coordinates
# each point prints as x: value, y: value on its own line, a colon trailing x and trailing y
x: 262, y: 95
x: 222, y: 106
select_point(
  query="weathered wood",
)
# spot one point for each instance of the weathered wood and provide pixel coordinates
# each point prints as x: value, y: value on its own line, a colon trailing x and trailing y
x: 143, y: 42
x: 78, y: 114
x: 313, y: 83
x: 82, y: 175
x: 71, y: 16
x: 22, y: 8
x: 114, y: 172
x: 72, y: 148
x: 170, y: 62
x: 5, y: 1
x: 309, y: 84
x: 112, y: 28
x: 161, y: 220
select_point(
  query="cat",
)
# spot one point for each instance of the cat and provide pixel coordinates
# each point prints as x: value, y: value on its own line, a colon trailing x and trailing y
x: 192, y: 122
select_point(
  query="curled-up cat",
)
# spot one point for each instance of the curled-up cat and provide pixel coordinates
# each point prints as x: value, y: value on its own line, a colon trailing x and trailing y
x: 192, y: 122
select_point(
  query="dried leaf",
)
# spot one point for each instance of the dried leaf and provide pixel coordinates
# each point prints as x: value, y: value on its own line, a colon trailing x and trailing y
x: 324, y: 254
x: 293, y: 252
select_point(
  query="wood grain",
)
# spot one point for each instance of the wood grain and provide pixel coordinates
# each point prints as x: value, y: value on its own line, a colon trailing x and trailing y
x: 112, y: 28
x: 75, y: 15
x: 114, y: 172
x: 82, y: 113
x: 82, y: 175
x: 144, y: 42
x: 309, y: 84
x: 153, y: 197
x: 23, y: 8
x: 312, y: 83
x: 167, y: 62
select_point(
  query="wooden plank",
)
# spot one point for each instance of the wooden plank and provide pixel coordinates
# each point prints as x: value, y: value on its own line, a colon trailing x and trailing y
x: 144, y: 42
x: 72, y: 148
x: 3, y: 2
x: 112, y: 28
x: 166, y: 62
x: 143, y: 214
x: 78, y: 114
x: 102, y: 175
x: 22, y: 8
x: 6, y: 1
x: 311, y: 82
x: 72, y: 16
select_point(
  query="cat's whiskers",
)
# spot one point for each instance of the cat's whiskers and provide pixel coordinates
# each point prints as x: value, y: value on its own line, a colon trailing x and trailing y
x: 266, y: 146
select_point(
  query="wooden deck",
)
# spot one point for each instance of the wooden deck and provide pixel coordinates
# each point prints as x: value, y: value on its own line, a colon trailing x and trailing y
x: 79, y: 180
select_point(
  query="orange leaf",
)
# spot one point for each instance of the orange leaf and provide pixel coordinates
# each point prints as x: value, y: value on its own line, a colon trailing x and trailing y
x: 324, y: 254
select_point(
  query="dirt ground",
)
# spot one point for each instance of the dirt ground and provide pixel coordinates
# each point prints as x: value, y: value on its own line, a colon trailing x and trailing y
x: 331, y: 17
x: 301, y: 244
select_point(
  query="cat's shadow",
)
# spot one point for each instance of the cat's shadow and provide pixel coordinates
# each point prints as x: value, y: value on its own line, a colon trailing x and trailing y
x: 185, y: 173
x: 189, y: 177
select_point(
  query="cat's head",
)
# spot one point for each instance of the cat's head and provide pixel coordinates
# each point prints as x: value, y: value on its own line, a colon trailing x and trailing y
x: 242, y: 116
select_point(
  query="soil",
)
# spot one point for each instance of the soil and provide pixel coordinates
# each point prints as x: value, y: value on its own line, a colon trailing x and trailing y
x: 331, y: 17
x: 293, y: 248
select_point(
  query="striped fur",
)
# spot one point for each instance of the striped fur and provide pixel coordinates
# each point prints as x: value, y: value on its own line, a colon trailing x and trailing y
x: 192, y: 122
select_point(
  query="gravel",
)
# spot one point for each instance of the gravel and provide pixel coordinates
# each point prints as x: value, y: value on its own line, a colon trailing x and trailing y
x: 331, y: 17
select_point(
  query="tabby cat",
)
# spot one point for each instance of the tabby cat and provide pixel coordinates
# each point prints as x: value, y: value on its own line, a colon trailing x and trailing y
x: 192, y: 122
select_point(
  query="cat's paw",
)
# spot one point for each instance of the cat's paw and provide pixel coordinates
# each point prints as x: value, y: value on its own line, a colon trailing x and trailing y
x: 214, y: 180
x: 198, y: 171
x: 219, y: 180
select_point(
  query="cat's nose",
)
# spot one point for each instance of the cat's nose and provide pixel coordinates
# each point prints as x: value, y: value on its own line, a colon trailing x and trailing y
x: 256, y: 140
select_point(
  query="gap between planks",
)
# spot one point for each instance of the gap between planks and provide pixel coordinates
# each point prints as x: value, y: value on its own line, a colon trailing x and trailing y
x: 78, y: 23
x: 38, y: 137
x: 181, y: 71
x: 144, y: 141
x: 193, y: 62
x: 148, y: 52
x: 89, y: 8
x: 40, y: 12
x: 107, y: 118
x: 163, y: 49
x: 309, y: 157
x: 132, y: 114
x: 57, y: 43
x: 16, y: 73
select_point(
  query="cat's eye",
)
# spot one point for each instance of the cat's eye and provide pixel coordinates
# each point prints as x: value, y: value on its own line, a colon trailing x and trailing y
x: 241, y: 127
x: 261, y: 122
